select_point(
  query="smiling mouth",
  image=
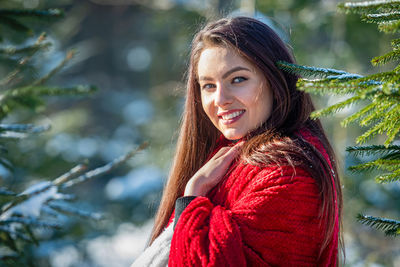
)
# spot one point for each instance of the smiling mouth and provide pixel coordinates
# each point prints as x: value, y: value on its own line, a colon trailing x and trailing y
x: 231, y: 117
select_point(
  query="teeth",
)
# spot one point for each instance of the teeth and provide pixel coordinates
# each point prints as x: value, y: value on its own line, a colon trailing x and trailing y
x: 232, y: 115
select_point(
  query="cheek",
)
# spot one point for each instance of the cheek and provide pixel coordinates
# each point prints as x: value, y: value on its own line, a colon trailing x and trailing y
x: 205, y: 103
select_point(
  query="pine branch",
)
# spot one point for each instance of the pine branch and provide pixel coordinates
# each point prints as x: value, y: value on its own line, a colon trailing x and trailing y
x: 49, y: 211
x: 9, y: 258
x: 335, y: 108
x: 30, y: 96
x: 394, y: 155
x: 372, y: 132
x: 328, y: 86
x: 381, y: 17
x: 379, y: 164
x: 389, y: 26
x: 373, y: 150
x: 47, y: 91
x: 24, y: 128
x: 30, y: 49
x: 53, y: 12
x: 378, y: 77
x: 11, y: 77
x: 371, y: 118
x: 103, y: 169
x: 41, y: 81
x: 15, y: 233
x: 392, y: 134
x: 40, y: 188
x: 30, y: 221
x: 68, y: 210
x: 6, y: 163
x: 381, y: 60
x: 315, y: 72
x: 69, y: 175
x: 15, y: 25
x: 395, y: 43
x: 359, y: 114
x: 370, y: 6
x: 67, y: 180
x: 387, y: 123
x: 5, y: 192
x: 388, y: 177
x: 391, y: 227
x: 28, y: 230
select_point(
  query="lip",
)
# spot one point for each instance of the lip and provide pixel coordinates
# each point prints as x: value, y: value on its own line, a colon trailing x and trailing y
x: 228, y: 112
x: 233, y: 120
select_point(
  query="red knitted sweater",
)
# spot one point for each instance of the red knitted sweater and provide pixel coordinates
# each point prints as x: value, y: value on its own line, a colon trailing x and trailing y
x: 256, y: 217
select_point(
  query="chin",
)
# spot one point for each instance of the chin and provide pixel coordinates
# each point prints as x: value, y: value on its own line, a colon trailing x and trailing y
x: 233, y: 136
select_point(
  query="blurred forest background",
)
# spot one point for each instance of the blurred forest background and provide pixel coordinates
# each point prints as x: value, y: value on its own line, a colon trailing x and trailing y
x: 136, y: 53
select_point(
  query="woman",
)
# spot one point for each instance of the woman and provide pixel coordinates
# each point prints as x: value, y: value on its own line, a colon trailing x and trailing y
x: 254, y: 181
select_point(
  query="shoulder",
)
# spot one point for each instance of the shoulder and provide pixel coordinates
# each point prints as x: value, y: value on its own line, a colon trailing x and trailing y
x: 279, y: 177
x: 279, y: 197
x: 273, y: 183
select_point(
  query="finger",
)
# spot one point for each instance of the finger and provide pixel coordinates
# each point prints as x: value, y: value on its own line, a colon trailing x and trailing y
x: 233, y: 152
x: 221, y: 152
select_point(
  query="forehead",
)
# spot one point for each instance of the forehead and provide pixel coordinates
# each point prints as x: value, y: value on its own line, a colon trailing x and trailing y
x: 215, y: 60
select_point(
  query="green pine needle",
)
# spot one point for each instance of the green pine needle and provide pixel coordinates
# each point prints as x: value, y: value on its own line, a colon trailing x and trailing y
x: 51, y: 73
x: 379, y: 108
x: 392, y: 132
x: 394, y: 155
x: 23, y: 128
x: 15, y: 234
x: 310, y: 71
x: 359, y: 114
x: 393, y: 232
x: 31, y: 222
x: 381, y: 60
x: 49, y: 91
x: 380, y: 223
x: 335, y: 108
x: 52, y: 12
x: 30, y: 233
x: 369, y: 134
x: 68, y: 210
x: 103, y: 169
x: 389, y: 27
x: 30, y: 49
x: 328, y: 86
x: 381, y: 17
x: 379, y: 164
x: 378, y: 77
x: 370, y: 6
x: 395, y: 43
x: 388, y: 178
x: 15, y: 25
x: 6, y: 192
x: 373, y: 150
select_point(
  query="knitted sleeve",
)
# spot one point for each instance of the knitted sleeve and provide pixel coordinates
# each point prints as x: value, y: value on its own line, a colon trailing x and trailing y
x: 271, y: 218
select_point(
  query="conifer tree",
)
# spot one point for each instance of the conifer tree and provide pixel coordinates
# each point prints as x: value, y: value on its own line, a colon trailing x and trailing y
x: 377, y: 94
x: 39, y: 205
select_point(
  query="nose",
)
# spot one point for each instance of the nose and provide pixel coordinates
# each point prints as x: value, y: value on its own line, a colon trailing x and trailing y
x: 222, y: 96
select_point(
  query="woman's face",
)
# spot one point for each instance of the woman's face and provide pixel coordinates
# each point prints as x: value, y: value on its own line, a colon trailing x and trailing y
x: 235, y: 95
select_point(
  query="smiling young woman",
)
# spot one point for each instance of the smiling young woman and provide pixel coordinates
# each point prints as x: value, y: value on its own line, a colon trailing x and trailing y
x: 235, y: 94
x: 254, y: 181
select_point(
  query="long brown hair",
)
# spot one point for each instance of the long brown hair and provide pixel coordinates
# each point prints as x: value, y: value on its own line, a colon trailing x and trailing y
x: 261, y: 46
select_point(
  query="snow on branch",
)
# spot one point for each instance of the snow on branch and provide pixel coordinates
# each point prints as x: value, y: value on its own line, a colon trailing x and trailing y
x: 24, y: 211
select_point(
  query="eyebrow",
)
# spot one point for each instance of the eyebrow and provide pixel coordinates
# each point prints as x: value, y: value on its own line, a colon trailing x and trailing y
x: 226, y: 74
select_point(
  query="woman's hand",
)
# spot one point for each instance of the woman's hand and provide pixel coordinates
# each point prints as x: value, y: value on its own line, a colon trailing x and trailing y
x: 212, y: 172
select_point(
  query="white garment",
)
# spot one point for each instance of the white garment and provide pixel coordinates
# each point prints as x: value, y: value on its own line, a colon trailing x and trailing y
x: 158, y: 253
